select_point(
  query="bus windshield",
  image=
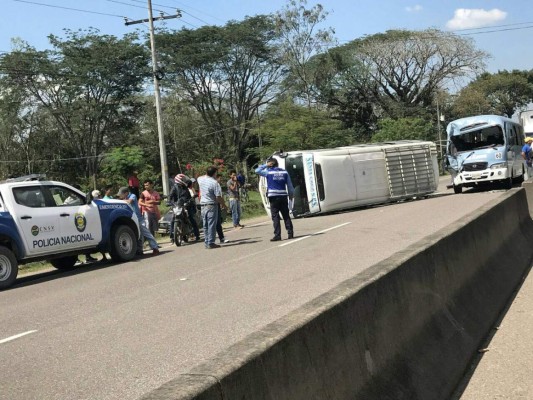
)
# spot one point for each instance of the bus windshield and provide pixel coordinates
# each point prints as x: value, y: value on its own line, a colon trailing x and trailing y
x: 480, y: 138
x: 295, y: 167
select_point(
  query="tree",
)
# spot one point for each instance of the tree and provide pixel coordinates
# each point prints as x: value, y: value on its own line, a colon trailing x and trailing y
x: 502, y: 93
x: 188, y: 139
x: 404, y: 129
x: 301, y: 39
x: 395, y: 74
x: 227, y: 74
x: 289, y: 126
x: 87, y: 83
x: 120, y: 162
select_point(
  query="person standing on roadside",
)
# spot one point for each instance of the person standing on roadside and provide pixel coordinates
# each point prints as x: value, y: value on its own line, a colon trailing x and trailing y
x: 279, y: 191
x: 134, y: 184
x: 149, y: 202
x: 211, y: 197
x: 241, y: 179
x: 220, y: 230
x: 526, y: 155
x: 234, y: 199
x: 131, y: 199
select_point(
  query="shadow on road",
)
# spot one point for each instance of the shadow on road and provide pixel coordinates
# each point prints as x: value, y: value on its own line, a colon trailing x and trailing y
x: 46, y: 276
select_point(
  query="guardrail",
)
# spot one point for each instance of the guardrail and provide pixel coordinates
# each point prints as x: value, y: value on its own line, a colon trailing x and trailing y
x: 406, y: 328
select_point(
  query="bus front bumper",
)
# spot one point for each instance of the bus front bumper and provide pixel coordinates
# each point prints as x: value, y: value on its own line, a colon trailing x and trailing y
x: 473, y: 178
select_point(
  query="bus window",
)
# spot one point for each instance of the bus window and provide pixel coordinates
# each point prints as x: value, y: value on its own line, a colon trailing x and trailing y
x: 512, y: 137
x: 479, y: 138
x: 295, y: 167
x: 320, y: 182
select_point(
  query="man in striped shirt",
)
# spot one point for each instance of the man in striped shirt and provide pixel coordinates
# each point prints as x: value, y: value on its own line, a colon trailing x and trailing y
x: 279, y: 191
x: 211, y: 194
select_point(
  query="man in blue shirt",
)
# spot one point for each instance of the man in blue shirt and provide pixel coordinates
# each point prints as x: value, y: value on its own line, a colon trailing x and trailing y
x: 279, y: 191
x: 526, y: 155
x: 131, y: 199
x: 241, y: 179
x: 210, y: 195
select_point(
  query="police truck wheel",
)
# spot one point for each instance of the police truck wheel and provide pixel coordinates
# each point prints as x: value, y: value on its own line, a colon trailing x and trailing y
x: 457, y: 189
x: 123, y: 243
x: 64, y: 263
x: 8, y: 267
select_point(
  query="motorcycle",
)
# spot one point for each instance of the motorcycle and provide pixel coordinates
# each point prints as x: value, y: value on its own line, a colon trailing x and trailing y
x: 182, y: 226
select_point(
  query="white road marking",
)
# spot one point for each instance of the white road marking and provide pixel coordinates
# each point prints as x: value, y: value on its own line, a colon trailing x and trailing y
x: 313, y: 234
x: 295, y: 240
x: 16, y: 337
x: 258, y: 224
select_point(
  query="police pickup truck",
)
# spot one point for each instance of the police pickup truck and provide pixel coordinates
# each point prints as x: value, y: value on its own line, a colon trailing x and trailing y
x: 46, y: 220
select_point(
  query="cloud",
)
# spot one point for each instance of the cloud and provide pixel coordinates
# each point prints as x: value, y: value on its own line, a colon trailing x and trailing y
x: 416, y: 8
x: 465, y: 18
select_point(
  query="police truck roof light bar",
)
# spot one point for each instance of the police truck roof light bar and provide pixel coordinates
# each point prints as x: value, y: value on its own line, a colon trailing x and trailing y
x: 25, y: 178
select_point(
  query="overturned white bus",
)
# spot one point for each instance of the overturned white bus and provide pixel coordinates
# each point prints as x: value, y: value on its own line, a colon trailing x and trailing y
x: 346, y: 177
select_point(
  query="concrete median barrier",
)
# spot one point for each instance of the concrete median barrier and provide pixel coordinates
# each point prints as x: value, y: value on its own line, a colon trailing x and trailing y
x: 406, y: 328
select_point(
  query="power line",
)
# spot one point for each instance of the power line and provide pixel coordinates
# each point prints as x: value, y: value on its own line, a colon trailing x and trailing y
x: 52, y: 160
x: 173, y: 8
x: 103, y: 155
x: 192, y: 8
x: 69, y: 8
x: 130, y: 5
x: 496, y: 30
x: 493, y: 26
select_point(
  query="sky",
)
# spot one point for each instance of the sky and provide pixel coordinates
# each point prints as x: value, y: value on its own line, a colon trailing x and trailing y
x: 503, y: 28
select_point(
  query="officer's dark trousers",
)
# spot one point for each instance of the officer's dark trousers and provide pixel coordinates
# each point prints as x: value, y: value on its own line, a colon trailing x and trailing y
x: 280, y: 204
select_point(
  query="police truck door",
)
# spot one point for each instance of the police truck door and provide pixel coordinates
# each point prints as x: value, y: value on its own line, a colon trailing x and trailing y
x: 38, y: 227
x: 79, y: 223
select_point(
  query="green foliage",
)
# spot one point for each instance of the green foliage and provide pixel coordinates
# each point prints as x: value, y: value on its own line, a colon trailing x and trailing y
x: 502, y: 93
x: 404, y: 129
x: 394, y: 74
x: 187, y: 137
x: 254, y: 206
x: 289, y: 127
x: 237, y: 92
x: 120, y: 162
x: 301, y: 38
x: 79, y: 98
x: 227, y: 74
x: 123, y: 160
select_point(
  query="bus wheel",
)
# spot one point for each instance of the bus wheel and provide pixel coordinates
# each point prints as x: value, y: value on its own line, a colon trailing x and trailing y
x: 508, y: 183
x: 458, y: 189
x: 520, y: 179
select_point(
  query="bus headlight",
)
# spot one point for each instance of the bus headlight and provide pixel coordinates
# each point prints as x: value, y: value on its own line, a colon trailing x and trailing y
x: 498, y: 166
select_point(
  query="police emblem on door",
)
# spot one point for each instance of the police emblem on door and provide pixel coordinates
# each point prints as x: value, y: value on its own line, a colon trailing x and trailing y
x: 80, y: 221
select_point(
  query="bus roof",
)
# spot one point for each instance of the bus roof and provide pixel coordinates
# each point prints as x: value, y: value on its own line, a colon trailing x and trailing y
x: 463, y: 124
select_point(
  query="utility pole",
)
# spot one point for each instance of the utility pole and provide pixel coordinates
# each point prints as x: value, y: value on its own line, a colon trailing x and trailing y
x: 157, y: 76
x: 438, y: 126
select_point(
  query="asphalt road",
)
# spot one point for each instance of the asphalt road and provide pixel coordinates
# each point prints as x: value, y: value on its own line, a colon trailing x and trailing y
x: 119, y: 331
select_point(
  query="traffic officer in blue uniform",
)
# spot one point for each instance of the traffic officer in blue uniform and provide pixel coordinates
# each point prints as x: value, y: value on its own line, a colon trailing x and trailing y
x: 279, y: 191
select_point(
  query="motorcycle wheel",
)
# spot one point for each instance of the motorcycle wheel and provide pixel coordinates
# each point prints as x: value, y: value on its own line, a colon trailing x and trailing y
x: 187, y: 229
x: 178, y: 232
